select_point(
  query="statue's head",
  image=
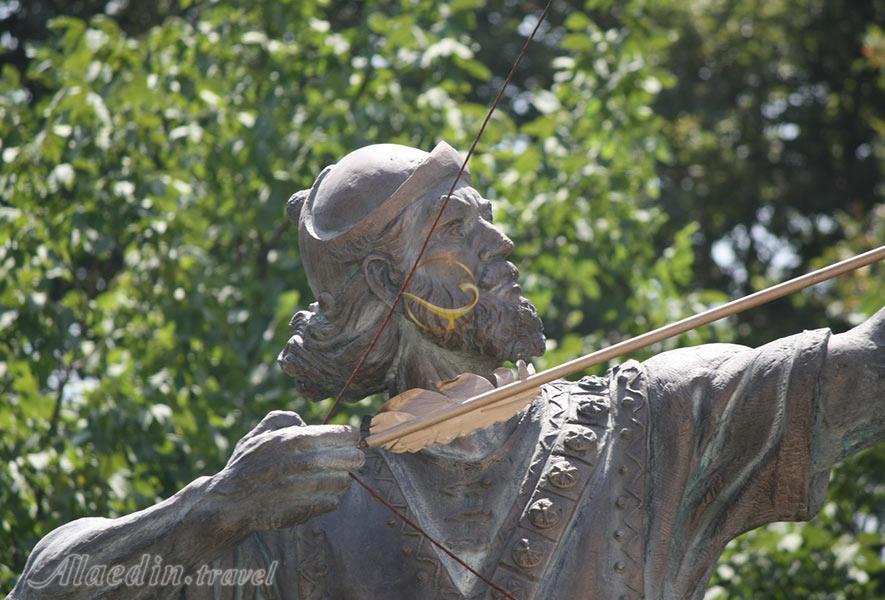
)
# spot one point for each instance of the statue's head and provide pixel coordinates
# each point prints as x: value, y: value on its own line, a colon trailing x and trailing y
x: 361, y: 227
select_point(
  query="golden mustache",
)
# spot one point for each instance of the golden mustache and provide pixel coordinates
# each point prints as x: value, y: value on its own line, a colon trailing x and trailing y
x: 449, y: 314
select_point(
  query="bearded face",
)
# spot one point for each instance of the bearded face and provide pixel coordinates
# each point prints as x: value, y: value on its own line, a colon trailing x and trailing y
x: 464, y: 295
x: 361, y: 226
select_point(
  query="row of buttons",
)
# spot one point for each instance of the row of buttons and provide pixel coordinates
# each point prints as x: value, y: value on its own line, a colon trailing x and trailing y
x: 569, y: 469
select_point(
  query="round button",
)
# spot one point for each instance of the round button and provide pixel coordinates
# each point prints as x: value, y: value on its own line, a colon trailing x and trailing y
x: 593, y: 408
x: 543, y: 514
x: 579, y: 440
x: 525, y: 556
x: 563, y: 475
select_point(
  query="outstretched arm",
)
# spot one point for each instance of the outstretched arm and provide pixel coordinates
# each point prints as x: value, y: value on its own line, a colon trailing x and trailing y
x: 852, y: 393
x: 742, y: 436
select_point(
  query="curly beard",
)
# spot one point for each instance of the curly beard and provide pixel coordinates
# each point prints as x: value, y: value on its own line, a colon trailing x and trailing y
x: 503, y: 325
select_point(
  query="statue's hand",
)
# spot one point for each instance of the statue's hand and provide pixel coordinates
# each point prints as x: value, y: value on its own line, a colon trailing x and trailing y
x: 873, y: 329
x: 852, y: 393
x: 283, y: 472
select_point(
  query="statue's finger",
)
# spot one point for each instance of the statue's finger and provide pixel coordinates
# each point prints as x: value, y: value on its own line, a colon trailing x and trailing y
x: 274, y: 420
x: 305, y: 464
x: 324, y: 483
x: 313, y: 437
x: 277, y: 419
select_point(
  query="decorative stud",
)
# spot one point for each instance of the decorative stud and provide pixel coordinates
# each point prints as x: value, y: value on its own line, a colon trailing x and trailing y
x: 543, y: 514
x: 593, y: 383
x: 525, y: 556
x: 563, y: 475
x: 580, y: 440
x: 626, y: 434
x: 593, y: 408
x: 619, y: 534
x: 627, y: 373
x: 623, y: 470
x: 621, y: 502
x: 407, y: 551
x: 620, y: 567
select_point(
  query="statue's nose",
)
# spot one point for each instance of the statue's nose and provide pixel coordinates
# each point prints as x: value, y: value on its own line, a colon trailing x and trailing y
x: 496, y: 244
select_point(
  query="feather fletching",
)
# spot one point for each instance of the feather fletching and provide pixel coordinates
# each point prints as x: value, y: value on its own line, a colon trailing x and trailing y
x: 416, y: 403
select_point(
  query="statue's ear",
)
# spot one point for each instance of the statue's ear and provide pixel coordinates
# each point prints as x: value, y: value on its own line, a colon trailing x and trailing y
x: 381, y: 278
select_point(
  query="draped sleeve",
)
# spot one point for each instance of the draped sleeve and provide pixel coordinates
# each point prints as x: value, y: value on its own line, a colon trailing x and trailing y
x: 732, y: 436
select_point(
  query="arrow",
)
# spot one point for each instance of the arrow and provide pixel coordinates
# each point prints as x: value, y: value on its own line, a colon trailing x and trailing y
x: 389, y: 436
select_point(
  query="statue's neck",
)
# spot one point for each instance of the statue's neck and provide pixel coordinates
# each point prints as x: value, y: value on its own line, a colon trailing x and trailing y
x: 422, y: 364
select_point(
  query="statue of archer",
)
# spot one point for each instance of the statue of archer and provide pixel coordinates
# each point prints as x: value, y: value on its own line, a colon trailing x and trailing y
x: 623, y: 486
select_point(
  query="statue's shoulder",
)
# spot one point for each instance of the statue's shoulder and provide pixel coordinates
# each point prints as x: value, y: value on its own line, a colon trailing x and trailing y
x: 685, y: 365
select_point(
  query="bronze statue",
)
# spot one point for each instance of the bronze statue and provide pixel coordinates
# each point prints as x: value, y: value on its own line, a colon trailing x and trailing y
x: 623, y: 486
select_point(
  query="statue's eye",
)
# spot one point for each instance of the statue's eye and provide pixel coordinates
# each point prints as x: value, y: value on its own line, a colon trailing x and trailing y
x: 454, y: 228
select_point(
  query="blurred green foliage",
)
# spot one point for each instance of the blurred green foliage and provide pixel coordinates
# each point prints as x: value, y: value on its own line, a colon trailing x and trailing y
x: 643, y: 162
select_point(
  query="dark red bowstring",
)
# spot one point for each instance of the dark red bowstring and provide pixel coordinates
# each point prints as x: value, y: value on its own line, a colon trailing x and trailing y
x: 430, y: 539
x: 405, y: 286
x: 439, y: 215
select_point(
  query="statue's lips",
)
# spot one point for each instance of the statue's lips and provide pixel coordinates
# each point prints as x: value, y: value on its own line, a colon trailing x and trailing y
x: 499, y: 277
x: 506, y: 289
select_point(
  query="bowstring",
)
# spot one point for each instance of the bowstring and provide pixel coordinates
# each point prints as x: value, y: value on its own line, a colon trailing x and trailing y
x: 374, y: 494
x: 439, y: 215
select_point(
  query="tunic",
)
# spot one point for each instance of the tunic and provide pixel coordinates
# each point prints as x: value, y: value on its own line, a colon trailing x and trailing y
x: 630, y: 487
